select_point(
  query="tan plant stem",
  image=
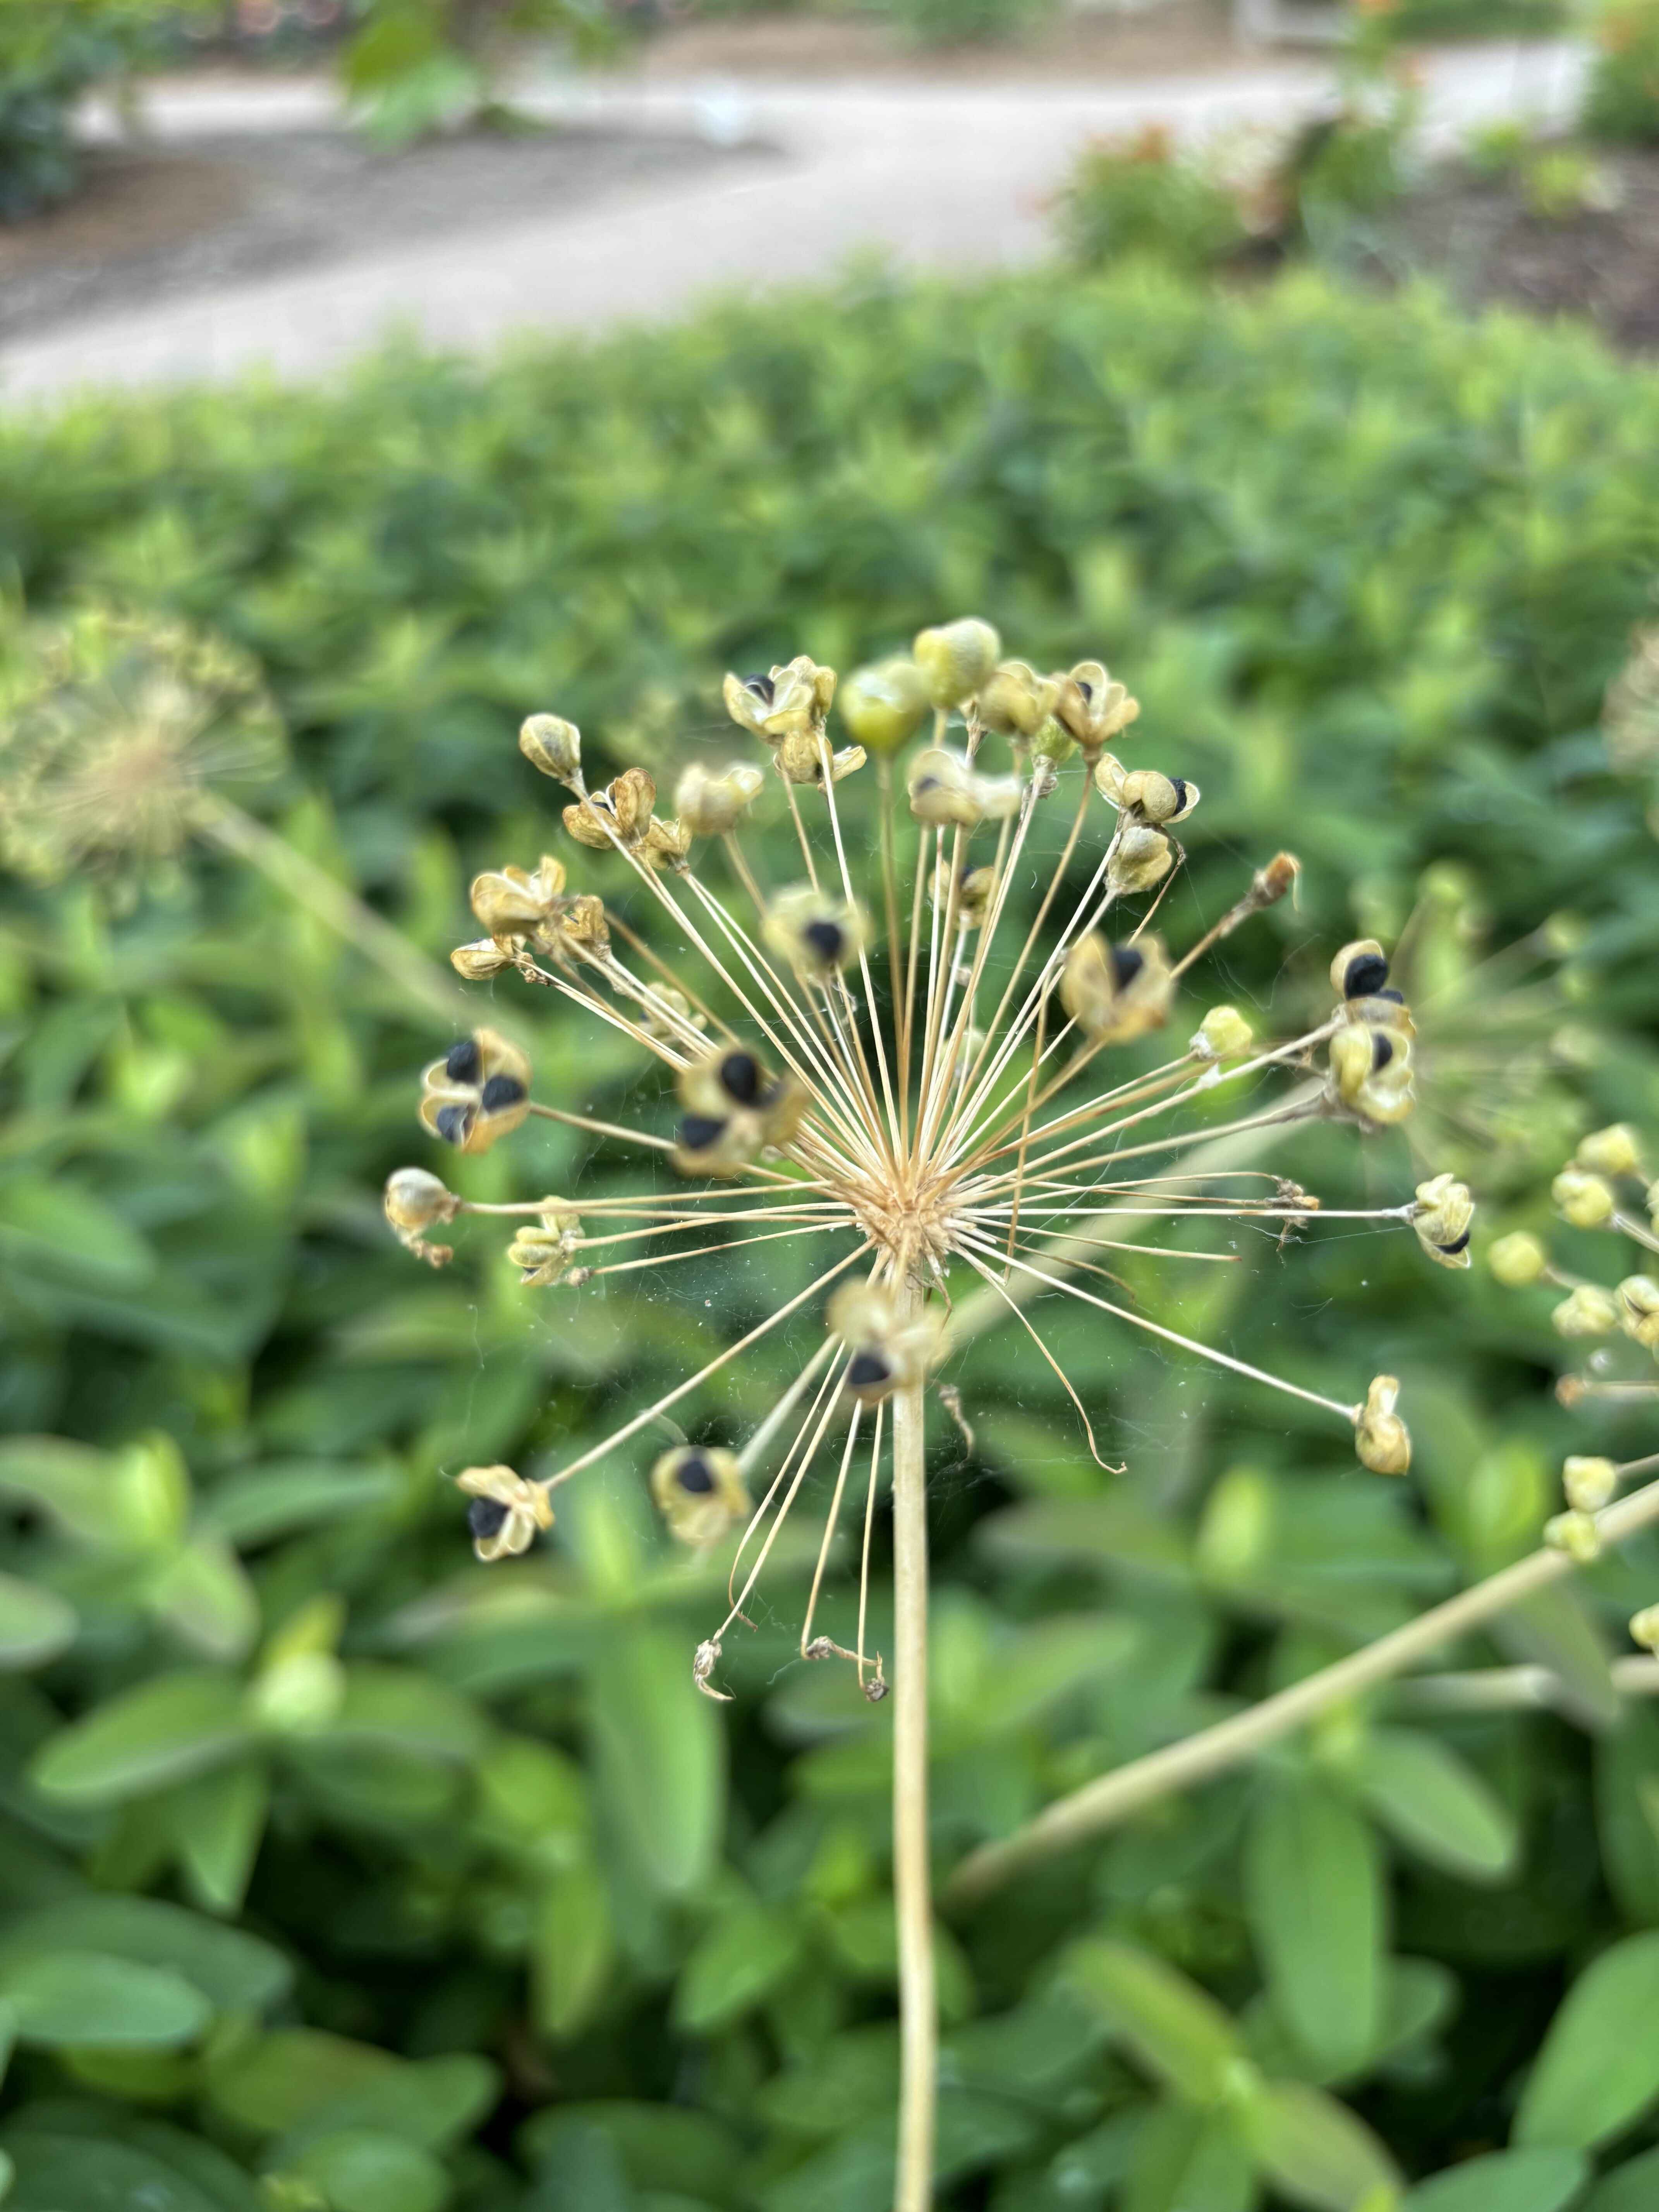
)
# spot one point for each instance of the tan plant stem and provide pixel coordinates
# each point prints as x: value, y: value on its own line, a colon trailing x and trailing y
x: 1101, y: 1804
x: 1511, y: 1689
x: 341, y: 910
x: 912, y: 1878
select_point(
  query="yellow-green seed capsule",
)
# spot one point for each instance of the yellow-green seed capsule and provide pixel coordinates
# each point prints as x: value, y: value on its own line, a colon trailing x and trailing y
x: 1589, y: 1484
x: 711, y: 803
x: 1587, y: 1311
x: 1517, y: 1260
x: 1575, y: 1534
x: 552, y: 744
x: 956, y: 659
x: 506, y: 1512
x: 1116, y: 992
x: 883, y: 705
x: 1016, y: 700
x: 1586, y: 1200
x: 1443, y: 1217
x: 1381, y: 1439
x: 1223, y: 1034
x: 1644, y: 1628
x: 1638, y: 1310
x: 1611, y: 1152
x: 701, y: 1494
x: 481, y: 960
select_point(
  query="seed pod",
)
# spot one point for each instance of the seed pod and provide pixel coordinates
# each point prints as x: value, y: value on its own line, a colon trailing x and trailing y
x: 710, y: 805
x: 1156, y: 799
x: 1370, y: 1074
x: 1116, y: 993
x: 1588, y: 1311
x: 1140, y: 859
x: 956, y: 659
x: 1590, y: 1483
x: 506, y: 1512
x: 580, y: 922
x: 510, y: 901
x: 815, y: 934
x: 1223, y: 1034
x: 618, y: 815
x: 479, y: 962
x: 1611, y: 1152
x: 1586, y: 1200
x: 667, y: 1014
x: 665, y: 844
x: 553, y: 745
x: 801, y: 754
x: 945, y: 790
x: 792, y: 700
x: 890, y: 1347
x: 1575, y: 1534
x: 701, y: 1494
x: 1381, y: 1437
x: 976, y: 889
x: 1270, y: 885
x: 1517, y: 1260
x: 1016, y: 700
x: 1360, y: 969
x: 414, y: 1201
x: 1644, y: 1628
x: 1638, y: 1310
x: 478, y: 1092
x: 543, y: 1252
x: 715, y: 1144
x: 1443, y: 1217
x: 885, y: 705
x: 1093, y: 707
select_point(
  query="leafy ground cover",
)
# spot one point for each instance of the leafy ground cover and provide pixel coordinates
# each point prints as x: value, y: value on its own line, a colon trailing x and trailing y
x: 325, y: 1855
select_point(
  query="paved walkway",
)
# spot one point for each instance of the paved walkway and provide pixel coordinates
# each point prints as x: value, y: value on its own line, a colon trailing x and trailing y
x: 945, y: 177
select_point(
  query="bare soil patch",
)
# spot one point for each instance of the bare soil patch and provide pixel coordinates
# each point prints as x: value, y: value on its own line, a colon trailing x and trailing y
x: 158, y: 222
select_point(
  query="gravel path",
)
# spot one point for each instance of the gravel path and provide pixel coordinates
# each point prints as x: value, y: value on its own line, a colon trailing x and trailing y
x: 946, y: 177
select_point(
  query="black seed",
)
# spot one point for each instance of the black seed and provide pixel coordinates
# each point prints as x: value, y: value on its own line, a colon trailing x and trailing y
x: 925, y: 783
x: 695, y: 1476
x: 461, y: 1064
x: 740, y: 1077
x: 826, y: 938
x: 1178, y: 785
x: 1381, y: 1052
x: 1458, y: 1244
x: 762, y: 686
x: 501, y: 1092
x: 1087, y: 689
x: 1127, y: 961
x: 866, y: 1371
x: 1364, y: 975
x: 486, y: 1517
x: 699, y: 1131
x: 453, y: 1123
x: 1397, y: 997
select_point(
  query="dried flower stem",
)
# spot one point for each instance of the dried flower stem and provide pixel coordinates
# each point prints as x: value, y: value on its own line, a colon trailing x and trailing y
x: 912, y: 1877
x: 1101, y: 1804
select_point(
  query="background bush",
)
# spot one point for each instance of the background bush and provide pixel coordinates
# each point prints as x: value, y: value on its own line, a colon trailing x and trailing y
x: 425, y: 1884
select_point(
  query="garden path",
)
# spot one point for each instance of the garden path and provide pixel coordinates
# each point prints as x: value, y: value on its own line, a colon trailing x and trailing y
x: 948, y: 177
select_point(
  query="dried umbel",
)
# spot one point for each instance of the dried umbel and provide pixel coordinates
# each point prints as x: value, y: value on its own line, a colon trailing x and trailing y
x: 931, y: 1061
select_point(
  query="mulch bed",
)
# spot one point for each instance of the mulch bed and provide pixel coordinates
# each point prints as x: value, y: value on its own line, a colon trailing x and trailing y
x: 156, y: 222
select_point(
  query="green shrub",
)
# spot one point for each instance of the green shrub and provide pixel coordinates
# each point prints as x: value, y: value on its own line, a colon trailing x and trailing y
x: 962, y: 23
x: 52, y: 52
x: 1144, y: 196
x: 398, y: 1884
x: 1621, y: 101
x: 419, y: 66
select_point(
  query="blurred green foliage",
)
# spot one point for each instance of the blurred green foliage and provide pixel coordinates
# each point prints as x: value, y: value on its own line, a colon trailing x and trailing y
x: 329, y: 1857
x: 413, y: 67
x: 1621, y: 101
x: 51, y: 53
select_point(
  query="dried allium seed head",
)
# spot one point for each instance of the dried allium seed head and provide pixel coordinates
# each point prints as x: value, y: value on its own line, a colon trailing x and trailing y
x: 552, y: 744
x: 1585, y: 1200
x: 1443, y: 1217
x: 1613, y: 1152
x: 1116, y: 993
x: 815, y: 934
x: 1590, y: 1483
x: 711, y: 804
x: 1223, y: 1034
x: 1638, y: 1310
x: 884, y: 706
x: 1587, y: 1310
x: 1518, y: 1260
x: 700, y: 1493
x: 1575, y: 1534
x: 506, y: 1512
x: 1016, y: 700
x: 510, y: 901
x: 477, y: 1093
x: 956, y: 659
x: 1381, y: 1437
x: 479, y: 961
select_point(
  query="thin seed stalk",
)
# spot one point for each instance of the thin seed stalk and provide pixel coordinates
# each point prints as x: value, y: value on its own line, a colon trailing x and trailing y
x: 912, y: 1878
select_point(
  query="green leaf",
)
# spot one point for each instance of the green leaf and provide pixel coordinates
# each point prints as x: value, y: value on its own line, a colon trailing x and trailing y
x: 395, y: 1709
x: 1436, y: 1805
x: 35, y: 1623
x: 234, y: 1970
x: 290, y: 2075
x: 430, y: 2102
x: 1174, y: 2029
x: 1507, y: 2181
x: 739, y: 1961
x: 1599, y: 2068
x: 1554, y: 1628
x: 204, y: 1597
x: 1632, y: 2187
x: 359, y: 2171
x: 661, y: 1757
x: 55, y: 2173
x: 277, y: 1499
x: 1316, y: 2154
x: 84, y: 1996
x: 66, y: 1231
x: 164, y: 1730
x: 218, y: 1822
x: 1314, y: 1899
x: 71, y: 1482
x: 570, y: 1950
x: 1182, y: 2159
x: 1626, y: 1760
